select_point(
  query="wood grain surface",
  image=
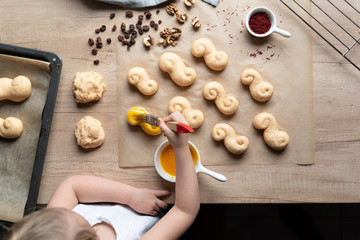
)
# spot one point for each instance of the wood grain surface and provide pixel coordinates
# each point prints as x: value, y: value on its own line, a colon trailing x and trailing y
x: 64, y: 26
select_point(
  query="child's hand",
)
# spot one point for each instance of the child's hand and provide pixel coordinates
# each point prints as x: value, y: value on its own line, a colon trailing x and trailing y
x: 147, y: 201
x: 176, y: 139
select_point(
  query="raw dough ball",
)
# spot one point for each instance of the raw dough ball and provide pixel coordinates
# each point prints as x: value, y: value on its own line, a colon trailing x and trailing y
x: 88, y: 86
x: 10, y: 127
x: 89, y: 133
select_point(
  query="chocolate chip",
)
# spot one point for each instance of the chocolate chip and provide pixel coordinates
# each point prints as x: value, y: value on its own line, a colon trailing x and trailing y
x: 112, y: 15
x: 94, y: 51
x: 114, y: 28
x: 108, y: 40
x: 123, y: 27
x: 103, y: 28
x: 146, y: 28
x: 91, y: 42
x: 129, y: 14
x: 120, y: 38
x: 160, y: 22
x: 97, y: 30
x: 96, y: 62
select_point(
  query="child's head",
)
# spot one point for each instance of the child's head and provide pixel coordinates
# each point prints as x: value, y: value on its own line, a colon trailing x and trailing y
x: 52, y: 224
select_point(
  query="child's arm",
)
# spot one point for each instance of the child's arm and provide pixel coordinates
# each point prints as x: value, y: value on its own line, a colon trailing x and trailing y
x: 91, y: 189
x: 187, y: 199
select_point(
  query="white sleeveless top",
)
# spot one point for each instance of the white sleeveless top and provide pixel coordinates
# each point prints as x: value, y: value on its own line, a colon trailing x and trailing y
x: 127, y: 223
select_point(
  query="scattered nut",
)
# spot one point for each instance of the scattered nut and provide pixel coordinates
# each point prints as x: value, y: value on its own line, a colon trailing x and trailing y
x: 196, y: 23
x: 148, y: 41
x: 170, y: 36
x: 160, y: 42
x: 172, y: 9
x: 181, y: 17
x: 189, y: 3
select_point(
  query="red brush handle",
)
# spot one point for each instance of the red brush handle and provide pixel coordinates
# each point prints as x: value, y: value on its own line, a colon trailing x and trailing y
x: 179, y: 127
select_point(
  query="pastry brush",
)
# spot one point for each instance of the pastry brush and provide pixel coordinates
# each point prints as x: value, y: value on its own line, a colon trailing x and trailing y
x: 175, y: 126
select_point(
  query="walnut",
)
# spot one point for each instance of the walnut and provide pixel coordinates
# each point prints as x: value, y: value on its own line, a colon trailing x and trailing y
x: 169, y: 36
x: 181, y: 17
x: 148, y: 41
x: 196, y: 23
x: 172, y: 9
x: 189, y: 3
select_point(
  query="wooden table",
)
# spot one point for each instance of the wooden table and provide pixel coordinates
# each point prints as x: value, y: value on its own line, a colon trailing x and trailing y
x: 57, y: 26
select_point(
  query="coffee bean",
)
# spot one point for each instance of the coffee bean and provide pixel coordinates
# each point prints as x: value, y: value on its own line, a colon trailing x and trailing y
x: 120, y: 38
x: 131, y: 27
x: 91, y: 41
x: 152, y: 22
x: 160, y: 22
x: 112, y: 15
x: 140, y: 17
x: 126, y: 36
x: 99, y: 45
x: 97, y: 30
x: 114, y: 28
x: 94, y: 51
x: 157, y: 11
x: 156, y: 26
x: 96, y: 62
x: 108, y: 40
x: 124, y: 42
x: 103, y: 28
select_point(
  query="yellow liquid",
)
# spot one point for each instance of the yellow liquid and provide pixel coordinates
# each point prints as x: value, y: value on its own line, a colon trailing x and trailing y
x: 167, y: 159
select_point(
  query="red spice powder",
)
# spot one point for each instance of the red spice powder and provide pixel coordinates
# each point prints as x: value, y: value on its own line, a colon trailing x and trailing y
x: 259, y: 23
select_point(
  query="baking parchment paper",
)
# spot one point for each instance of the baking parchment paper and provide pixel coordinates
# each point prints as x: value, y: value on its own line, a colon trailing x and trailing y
x: 17, y: 156
x: 285, y: 62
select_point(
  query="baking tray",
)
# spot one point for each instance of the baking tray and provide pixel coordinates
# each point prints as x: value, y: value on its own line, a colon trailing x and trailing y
x: 55, y: 65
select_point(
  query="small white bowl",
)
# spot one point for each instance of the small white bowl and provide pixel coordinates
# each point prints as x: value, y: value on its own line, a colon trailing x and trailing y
x: 272, y: 18
x: 198, y: 167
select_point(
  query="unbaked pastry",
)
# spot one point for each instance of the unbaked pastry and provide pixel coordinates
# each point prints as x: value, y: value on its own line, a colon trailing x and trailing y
x: 273, y: 137
x: 133, y: 117
x: 10, y: 127
x: 89, y: 132
x: 173, y: 64
x: 215, y: 91
x: 17, y: 89
x: 260, y: 90
x: 194, y: 117
x: 235, y: 143
x: 138, y: 77
x: 215, y: 60
x: 88, y: 86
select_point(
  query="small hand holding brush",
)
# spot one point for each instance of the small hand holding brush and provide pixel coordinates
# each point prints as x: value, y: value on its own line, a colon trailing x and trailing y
x: 174, y: 126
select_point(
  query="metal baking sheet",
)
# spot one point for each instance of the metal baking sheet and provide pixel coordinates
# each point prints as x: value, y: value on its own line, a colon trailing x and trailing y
x: 51, y: 63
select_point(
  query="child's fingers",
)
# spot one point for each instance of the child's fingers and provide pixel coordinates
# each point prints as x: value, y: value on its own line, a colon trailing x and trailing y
x: 164, y: 128
x: 161, y: 204
x: 161, y: 193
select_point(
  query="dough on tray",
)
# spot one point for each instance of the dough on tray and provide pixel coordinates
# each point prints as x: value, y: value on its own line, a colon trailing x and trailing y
x: 16, y: 90
x: 10, y: 127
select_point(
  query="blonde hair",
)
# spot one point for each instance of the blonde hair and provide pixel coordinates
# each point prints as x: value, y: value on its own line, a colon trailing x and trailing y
x: 49, y: 224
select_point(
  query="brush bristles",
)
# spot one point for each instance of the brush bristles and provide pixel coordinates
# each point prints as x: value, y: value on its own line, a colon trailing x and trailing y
x: 150, y: 119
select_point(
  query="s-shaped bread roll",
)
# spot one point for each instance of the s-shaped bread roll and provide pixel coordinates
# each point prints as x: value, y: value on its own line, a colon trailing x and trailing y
x: 17, y: 89
x: 193, y: 116
x: 10, y: 127
x: 273, y: 137
x: 215, y: 60
x: 215, y: 91
x: 173, y: 64
x: 138, y: 77
x: 235, y: 143
x: 260, y: 90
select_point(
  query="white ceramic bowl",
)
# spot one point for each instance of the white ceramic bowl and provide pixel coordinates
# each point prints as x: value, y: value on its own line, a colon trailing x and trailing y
x: 272, y: 18
x: 198, y: 167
